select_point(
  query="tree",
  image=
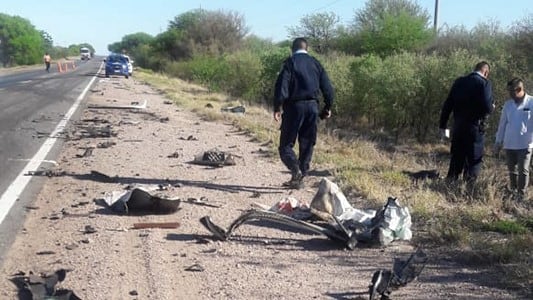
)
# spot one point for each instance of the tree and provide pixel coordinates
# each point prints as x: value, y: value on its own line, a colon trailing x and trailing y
x: 48, y: 42
x: 21, y: 43
x: 387, y: 26
x: 522, y: 40
x: 131, y: 42
x: 209, y: 32
x: 320, y: 29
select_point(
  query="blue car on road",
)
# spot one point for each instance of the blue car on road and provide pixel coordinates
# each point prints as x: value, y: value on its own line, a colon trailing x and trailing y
x: 116, y: 64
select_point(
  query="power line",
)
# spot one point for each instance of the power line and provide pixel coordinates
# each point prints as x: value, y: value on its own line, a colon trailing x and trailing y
x: 325, y: 6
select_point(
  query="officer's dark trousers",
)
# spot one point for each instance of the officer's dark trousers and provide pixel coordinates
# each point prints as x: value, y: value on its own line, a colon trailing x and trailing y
x: 466, y: 152
x: 299, y: 120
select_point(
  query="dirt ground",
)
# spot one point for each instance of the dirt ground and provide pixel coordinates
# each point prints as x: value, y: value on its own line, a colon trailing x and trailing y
x: 118, y: 262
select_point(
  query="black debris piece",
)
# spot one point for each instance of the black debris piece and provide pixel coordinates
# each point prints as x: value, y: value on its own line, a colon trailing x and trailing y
x: 105, y: 144
x: 195, y: 268
x: 43, y: 286
x: 86, y: 152
x: 385, y: 281
x: 214, y: 158
x: 174, y: 155
x: 89, y: 229
x: 141, y: 201
x: 343, y: 236
x: 48, y: 173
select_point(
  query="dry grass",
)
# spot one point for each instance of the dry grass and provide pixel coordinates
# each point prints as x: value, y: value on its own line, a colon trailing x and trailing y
x: 454, y: 214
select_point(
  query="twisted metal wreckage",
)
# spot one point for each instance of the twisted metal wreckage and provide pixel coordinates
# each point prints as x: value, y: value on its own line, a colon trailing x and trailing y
x: 346, y: 226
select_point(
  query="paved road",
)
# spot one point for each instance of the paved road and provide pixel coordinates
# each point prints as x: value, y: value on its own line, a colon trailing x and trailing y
x: 32, y: 103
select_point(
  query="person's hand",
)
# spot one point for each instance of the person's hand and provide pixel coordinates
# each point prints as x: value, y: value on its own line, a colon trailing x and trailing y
x: 277, y: 116
x: 325, y: 114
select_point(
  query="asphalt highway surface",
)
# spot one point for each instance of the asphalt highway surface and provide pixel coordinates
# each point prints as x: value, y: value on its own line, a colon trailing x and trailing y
x: 33, y: 103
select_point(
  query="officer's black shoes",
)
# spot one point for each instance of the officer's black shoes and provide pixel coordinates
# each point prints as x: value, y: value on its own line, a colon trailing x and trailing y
x: 296, y: 182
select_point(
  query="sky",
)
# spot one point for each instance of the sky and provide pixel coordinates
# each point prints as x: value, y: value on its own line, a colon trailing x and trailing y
x: 102, y: 22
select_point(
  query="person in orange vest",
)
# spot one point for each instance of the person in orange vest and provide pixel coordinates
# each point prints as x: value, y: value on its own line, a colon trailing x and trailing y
x: 47, y: 60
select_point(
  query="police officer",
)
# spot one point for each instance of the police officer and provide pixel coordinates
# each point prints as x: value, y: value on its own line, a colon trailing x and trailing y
x: 470, y: 100
x: 297, y: 91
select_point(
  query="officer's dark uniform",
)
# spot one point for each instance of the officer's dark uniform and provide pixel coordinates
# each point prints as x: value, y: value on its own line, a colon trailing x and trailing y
x: 470, y: 100
x: 298, y: 89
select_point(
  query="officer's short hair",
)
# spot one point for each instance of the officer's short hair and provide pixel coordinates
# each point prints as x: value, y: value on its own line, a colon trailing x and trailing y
x: 480, y: 65
x: 513, y: 83
x: 299, y: 44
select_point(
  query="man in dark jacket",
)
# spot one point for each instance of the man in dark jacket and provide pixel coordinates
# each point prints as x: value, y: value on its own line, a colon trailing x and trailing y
x: 297, y: 91
x: 471, y: 102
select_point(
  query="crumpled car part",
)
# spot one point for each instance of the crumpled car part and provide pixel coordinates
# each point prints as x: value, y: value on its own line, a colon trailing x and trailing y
x: 391, y: 222
x: 214, y: 158
x: 139, y: 200
x: 343, y: 235
x: 404, y: 271
x: 44, y: 286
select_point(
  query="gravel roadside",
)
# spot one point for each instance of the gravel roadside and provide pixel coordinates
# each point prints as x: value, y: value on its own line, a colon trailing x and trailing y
x: 155, y: 146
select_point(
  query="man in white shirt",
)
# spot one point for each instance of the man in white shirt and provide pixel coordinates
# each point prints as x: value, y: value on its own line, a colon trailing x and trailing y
x: 515, y: 135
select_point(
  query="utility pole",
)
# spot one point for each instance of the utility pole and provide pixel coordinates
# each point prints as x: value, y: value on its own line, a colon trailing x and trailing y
x: 436, y: 16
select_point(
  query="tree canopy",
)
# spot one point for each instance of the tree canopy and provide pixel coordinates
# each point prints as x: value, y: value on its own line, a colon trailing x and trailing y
x: 20, y: 42
x: 320, y: 29
x: 387, y: 26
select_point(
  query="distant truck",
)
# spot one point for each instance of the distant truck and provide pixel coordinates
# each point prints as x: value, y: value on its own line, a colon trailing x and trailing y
x: 85, y: 53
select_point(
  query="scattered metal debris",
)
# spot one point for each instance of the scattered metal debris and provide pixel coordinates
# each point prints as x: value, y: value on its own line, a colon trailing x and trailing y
x: 189, y: 138
x: 89, y: 229
x: 174, y: 155
x: 133, y: 141
x: 385, y: 281
x: 43, y: 286
x: 45, y: 252
x: 350, y: 227
x: 105, y: 144
x: 202, y: 202
x: 96, y: 120
x: 86, y: 152
x: 48, y: 173
x: 234, y: 109
x: 138, y: 106
x: 162, y: 225
x: 195, y: 268
x: 71, y: 246
x: 343, y: 236
x: 139, y: 201
x: 128, y: 122
x: 391, y: 222
x: 214, y: 158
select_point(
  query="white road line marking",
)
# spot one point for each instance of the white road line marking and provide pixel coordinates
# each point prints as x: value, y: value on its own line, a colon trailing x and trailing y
x: 19, y: 184
x: 26, y: 81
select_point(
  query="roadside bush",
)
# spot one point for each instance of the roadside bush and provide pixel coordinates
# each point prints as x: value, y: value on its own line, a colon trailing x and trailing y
x: 242, y: 78
x: 271, y: 61
x: 338, y: 69
x: 207, y: 70
x: 402, y: 94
